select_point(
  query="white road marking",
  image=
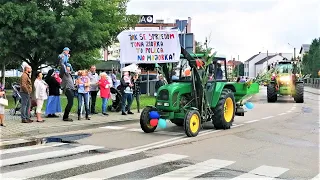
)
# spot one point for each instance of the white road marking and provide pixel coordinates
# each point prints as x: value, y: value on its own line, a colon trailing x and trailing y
x: 263, y: 172
x: 281, y: 114
x: 316, y: 178
x: 194, y: 170
x: 113, y: 127
x: 252, y: 121
x: 289, y: 111
x: 129, y: 167
x: 135, y: 130
x: 27, y: 148
x: 157, y: 132
x: 269, y: 117
x: 69, y: 164
x: 46, y: 155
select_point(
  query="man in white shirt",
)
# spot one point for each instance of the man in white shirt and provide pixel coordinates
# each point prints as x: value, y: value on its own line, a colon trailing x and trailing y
x: 94, y: 88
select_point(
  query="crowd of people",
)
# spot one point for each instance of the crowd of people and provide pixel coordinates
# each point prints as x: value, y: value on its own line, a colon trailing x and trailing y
x: 85, y: 87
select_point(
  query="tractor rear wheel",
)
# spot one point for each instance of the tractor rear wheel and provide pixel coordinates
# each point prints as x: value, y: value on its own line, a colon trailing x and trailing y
x: 192, y: 123
x: 145, y: 120
x: 298, y: 97
x: 271, y: 93
x: 224, y: 112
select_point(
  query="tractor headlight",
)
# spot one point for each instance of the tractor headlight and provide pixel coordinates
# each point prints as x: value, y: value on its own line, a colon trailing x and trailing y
x: 166, y: 104
x: 285, y: 78
x: 298, y: 75
x: 159, y: 103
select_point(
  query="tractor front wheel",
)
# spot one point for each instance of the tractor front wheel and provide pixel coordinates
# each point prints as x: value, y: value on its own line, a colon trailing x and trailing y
x: 224, y: 112
x: 298, y: 97
x: 271, y: 93
x: 192, y: 123
x: 145, y: 120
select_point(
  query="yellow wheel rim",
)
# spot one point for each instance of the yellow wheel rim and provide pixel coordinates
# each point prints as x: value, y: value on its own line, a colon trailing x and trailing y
x: 228, y: 109
x: 194, y: 123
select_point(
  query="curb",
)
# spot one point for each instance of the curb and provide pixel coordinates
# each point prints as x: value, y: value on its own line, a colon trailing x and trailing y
x: 33, y: 141
x: 312, y: 92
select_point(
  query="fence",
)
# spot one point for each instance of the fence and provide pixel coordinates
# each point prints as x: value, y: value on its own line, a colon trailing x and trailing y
x: 312, y: 82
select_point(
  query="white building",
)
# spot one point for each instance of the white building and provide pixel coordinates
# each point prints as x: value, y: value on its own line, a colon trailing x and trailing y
x: 250, y: 69
x: 262, y: 65
x: 304, y: 49
x: 111, y: 53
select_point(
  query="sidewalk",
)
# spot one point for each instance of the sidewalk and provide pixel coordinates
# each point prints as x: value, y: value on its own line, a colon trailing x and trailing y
x: 15, y: 129
x: 312, y: 90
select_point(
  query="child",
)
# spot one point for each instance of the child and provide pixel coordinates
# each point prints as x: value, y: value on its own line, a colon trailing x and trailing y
x: 104, y: 85
x: 57, y: 77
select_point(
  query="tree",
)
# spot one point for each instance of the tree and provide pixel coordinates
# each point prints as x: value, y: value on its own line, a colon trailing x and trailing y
x: 311, y: 60
x: 239, y: 66
x: 200, y: 49
x: 36, y: 31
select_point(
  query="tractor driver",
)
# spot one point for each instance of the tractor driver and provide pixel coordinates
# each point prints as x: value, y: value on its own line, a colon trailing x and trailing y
x: 219, y: 73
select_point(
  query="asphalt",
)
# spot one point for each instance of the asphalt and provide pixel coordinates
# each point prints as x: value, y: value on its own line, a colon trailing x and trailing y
x: 280, y: 139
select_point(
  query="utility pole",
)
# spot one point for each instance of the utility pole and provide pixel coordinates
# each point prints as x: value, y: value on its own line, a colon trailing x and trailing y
x: 294, y: 53
x: 238, y: 67
x: 268, y: 60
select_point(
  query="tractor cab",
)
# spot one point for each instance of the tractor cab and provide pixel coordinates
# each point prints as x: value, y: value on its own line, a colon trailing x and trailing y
x: 284, y: 67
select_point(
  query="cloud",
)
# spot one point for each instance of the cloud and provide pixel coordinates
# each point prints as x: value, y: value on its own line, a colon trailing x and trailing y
x: 242, y: 27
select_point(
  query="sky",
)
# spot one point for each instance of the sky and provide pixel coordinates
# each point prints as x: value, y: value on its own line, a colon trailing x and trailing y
x: 241, y: 27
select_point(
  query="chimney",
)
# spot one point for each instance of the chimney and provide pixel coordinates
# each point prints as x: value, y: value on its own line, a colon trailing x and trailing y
x: 189, y: 25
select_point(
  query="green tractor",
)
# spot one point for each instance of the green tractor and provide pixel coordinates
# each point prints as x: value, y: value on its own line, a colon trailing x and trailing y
x: 286, y: 81
x: 193, y: 100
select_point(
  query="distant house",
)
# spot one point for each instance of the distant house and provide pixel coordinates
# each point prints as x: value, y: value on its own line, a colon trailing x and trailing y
x: 304, y: 49
x: 262, y: 65
x: 259, y: 62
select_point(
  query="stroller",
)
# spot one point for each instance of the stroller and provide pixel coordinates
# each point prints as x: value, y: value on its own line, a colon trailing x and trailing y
x: 116, y: 97
x: 17, y: 100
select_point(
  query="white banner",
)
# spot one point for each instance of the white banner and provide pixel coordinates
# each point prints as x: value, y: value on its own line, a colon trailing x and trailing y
x: 146, y: 28
x: 156, y: 46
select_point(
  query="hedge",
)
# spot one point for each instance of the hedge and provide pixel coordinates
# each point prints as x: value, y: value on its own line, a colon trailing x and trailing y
x: 10, y: 80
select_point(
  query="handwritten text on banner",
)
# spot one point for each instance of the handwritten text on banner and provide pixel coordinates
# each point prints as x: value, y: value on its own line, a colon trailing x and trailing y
x: 157, y: 46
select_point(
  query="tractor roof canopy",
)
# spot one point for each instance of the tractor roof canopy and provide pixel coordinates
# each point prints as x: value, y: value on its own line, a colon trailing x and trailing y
x: 284, y: 67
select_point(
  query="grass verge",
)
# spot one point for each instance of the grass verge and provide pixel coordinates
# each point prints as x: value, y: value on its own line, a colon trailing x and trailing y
x: 144, y: 101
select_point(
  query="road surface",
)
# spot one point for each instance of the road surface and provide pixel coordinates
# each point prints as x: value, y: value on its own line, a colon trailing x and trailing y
x: 272, y: 141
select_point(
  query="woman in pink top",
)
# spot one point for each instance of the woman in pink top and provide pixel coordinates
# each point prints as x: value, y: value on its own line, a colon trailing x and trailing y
x: 104, y: 85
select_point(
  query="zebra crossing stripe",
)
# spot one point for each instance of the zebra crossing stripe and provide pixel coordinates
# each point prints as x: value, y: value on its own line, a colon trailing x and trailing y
x: 263, y: 172
x: 128, y: 167
x: 27, y: 148
x: 194, y: 170
x: 316, y: 178
x: 46, y: 155
x: 60, y: 166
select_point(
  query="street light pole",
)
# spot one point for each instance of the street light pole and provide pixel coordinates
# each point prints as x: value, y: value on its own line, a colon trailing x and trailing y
x: 294, y: 51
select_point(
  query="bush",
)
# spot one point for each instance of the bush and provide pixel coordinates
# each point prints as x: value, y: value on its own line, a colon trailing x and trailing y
x: 10, y: 80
